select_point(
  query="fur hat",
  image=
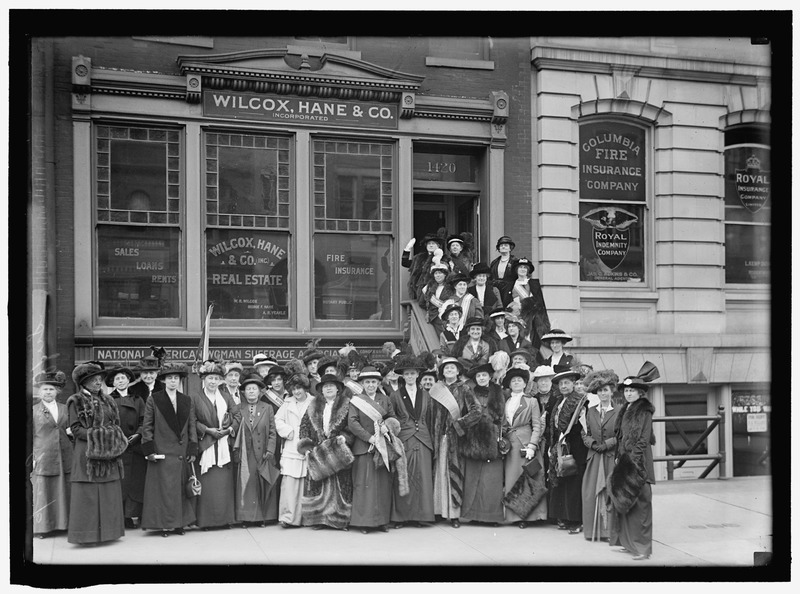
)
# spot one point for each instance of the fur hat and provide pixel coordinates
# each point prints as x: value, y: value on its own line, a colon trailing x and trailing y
x: 312, y: 351
x: 515, y: 372
x: 295, y: 367
x: 298, y: 379
x: 51, y: 378
x: 499, y: 361
x: 327, y: 361
x: 112, y: 373
x: 603, y: 377
x: 210, y: 367
x: 84, y: 371
x: 173, y: 369
x: 458, y: 278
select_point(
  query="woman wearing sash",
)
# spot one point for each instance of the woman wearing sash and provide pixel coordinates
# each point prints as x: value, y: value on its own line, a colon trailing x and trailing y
x: 483, y: 463
x: 435, y: 294
x: 524, y: 421
x: 471, y: 348
x: 217, y: 419
x: 372, y: 481
x: 413, y: 409
x: 454, y: 409
x: 451, y: 313
x: 470, y: 306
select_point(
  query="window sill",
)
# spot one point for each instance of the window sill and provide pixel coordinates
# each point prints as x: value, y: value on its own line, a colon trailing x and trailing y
x: 459, y: 63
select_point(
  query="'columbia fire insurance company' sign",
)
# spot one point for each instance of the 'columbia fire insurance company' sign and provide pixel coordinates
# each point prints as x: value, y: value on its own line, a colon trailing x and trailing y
x: 298, y: 110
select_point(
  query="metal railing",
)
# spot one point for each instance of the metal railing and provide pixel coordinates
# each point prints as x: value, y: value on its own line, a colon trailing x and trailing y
x: 419, y: 334
x: 678, y: 460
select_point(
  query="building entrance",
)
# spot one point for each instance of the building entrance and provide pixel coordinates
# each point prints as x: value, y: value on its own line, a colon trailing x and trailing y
x: 456, y: 213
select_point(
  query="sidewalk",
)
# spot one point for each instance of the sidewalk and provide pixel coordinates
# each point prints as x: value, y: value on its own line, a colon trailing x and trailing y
x: 698, y: 523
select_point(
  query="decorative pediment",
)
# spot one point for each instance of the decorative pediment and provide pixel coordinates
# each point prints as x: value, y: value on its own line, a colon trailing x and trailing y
x: 285, y: 72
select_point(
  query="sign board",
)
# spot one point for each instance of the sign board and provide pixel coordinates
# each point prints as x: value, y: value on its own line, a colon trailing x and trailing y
x: 756, y: 422
x: 299, y: 110
x: 612, y: 162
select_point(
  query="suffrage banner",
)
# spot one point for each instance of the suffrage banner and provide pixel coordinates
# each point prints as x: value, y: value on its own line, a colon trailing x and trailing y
x: 299, y: 110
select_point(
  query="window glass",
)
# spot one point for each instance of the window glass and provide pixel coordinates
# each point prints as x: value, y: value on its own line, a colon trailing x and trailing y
x: 247, y: 274
x: 612, y: 242
x: 353, y: 186
x: 748, y: 207
x: 352, y: 277
x: 138, y: 271
x: 751, y: 410
x: 465, y: 48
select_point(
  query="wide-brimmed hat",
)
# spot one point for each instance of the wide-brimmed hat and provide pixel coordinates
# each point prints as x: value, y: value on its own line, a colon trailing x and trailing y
x: 276, y: 370
x: 174, y: 368
x: 524, y: 352
x: 603, y: 377
x: 543, y: 371
x: 211, y: 368
x: 112, y: 373
x: 565, y: 371
x: 473, y: 321
x: 453, y: 360
x: 473, y: 371
x: 524, y: 262
x: 647, y: 374
x: 506, y: 239
x: 558, y: 334
x: 408, y: 362
x: 84, y: 371
x: 480, y: 268
x: 327, y: 361
x: 298, y: 379
x: 52, y: 378
x: 448, y: 307
x: 498, y: 312
x: 329, y: 378
x: 148, y: 363
x: 369, y: 372
x: 263, y: 359
x: 455, y: 238
x: 433, y: 237
x: 516, y: 372
x: 458, y: 278
x: 252, y: 378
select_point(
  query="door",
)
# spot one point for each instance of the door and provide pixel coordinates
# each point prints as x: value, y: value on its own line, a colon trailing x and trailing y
x: 455, y: 213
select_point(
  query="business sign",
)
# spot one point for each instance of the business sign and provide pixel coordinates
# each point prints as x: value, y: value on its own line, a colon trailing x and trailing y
x: 752, y: 184
x: 247, y: 274
x: 612, y: 162
x: 757, y: 422
x: 611, y: 242
x: 299, y: 110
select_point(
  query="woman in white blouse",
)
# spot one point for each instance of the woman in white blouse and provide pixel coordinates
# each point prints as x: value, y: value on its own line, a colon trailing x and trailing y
x: 555, y: 341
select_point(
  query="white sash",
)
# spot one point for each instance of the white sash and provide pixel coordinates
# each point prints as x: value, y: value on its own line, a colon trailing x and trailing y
x: 441, y: 394
x: 465, y: 301
x: 368, y: 408
x: 274, y: 398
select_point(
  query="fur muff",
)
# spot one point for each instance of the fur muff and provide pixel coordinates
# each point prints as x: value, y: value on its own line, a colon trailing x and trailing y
x: 480, y: 441
x: 328, y: 458
x: 629, y: 474
x: 397, y: 456
x: 105, y: 442
x: 625, y: 484
x: 524, y: 495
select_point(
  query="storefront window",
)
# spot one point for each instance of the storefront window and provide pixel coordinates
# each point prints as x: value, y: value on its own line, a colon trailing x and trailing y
x: 750, y: 412
x: 613, y: 202
x: 748, y: 208
x: 138, y: 210
x: 353, y: 214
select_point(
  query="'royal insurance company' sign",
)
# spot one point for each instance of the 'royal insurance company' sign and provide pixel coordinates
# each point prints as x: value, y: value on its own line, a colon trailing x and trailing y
x: 299, y: 110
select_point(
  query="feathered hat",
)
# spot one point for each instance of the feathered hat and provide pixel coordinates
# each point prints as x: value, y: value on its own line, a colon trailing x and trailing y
x: 603, y: 377
x: 52, y: 378
x: 173, y: 368
x: 647, y: 373
x: 210, y: 367
x: 436, y: 262
x: 499, y: 361
x: 294, y: 367
x: 84, y: 371
x: 312, y: 351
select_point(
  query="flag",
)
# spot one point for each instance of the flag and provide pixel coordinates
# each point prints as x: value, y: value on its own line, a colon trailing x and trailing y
x: 203, y: 347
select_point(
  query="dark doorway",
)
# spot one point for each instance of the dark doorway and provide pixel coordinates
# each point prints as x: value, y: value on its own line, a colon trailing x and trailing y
x: 456, y: 213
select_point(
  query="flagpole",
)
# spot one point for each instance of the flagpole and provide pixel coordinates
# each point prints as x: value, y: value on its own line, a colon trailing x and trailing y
x: 204, y: 339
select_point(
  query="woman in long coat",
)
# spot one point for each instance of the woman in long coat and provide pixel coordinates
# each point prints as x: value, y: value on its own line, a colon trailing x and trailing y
x: 565, y: 503
x: 502, y: 268
x: 131, y: 415
x: 217, y: 419
x: 449, y: 425
x: 52, y: 456
x: 294, y: 467
x: 484, y: 291
x: 483, y: 463
x: 95, y: 507
x: 413, y: 408
x: 372, y: 481
x: 524, y: 432
x: 435, y: 294
x: 255, y: 471
x: 601, y: 445
x: 629, y: 485
x: 419, y: 265
x: 169, y: 429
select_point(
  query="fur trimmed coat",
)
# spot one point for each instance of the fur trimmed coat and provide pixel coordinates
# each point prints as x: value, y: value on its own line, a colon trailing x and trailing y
x: 634, y: 468
x: 483, y: 431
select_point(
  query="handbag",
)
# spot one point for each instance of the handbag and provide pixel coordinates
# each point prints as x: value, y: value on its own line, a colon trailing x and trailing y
x: 193, y: 485
x: 566, y: 465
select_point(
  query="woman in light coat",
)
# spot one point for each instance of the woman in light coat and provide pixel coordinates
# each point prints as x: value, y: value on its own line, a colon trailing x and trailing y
x: 293, y: 464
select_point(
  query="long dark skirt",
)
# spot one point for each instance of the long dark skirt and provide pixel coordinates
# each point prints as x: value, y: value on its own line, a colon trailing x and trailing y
x: 634, y: 530
x: 483, y: 491
x: 417, y: 506
x: 50, y: 503
x: 215, y: 504
x: 95, y: 513
x: 329, y: 502
x: 565, y: 500
x: 133, y: 483
x: 372, y: 493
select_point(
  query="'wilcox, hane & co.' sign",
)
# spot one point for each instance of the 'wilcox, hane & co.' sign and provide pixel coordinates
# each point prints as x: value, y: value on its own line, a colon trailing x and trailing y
x: 299, y: 110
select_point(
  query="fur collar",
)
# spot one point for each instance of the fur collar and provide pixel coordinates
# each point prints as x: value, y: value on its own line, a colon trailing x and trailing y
x: 341, y: 408
x: 630, y: 423
x: 496, y: 406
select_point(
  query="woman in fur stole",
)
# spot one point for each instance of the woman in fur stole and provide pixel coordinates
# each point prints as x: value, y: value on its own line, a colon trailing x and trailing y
x: 524, y: 432
x: 565, y: 502
x: 372, y: 480
x: 95, y: 510
x: 51, y: 455
x: 600, y: 441
x: 324, y: 436
x: 419, y: 265
x: 448, y: 479
x: 256, y: 472
x: 217, y: 419
x: 483, y: 463
x: 629, y: 485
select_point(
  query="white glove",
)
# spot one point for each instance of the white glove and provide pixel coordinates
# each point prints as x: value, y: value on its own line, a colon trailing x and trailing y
x: 410, y: 244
